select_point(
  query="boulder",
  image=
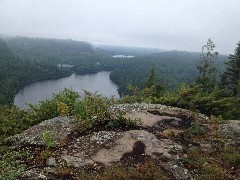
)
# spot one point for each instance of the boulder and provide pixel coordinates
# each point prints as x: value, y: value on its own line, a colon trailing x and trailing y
x: 37, y: 174
x: 58, y: 128
x: 231, y: 130
x: 51, y: 162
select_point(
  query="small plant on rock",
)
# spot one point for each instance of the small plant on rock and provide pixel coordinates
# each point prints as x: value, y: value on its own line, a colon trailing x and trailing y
x: 45, y: 154
x: 11, y: 164
x: 195, y: 130
x: 231, y: 155
x: 48, y: 139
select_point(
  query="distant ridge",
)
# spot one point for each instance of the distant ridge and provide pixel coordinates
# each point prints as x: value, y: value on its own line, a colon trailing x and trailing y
x: 110, y: 50
x: 39, y: 47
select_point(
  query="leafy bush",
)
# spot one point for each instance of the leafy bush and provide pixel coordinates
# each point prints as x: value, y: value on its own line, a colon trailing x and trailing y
x: 12, y: 120
x: 90, y: 111
x: 196, y: 130
x: 62, y: 103
x: 138, y: 95
x: 93, y: 110
x: 218, y: 102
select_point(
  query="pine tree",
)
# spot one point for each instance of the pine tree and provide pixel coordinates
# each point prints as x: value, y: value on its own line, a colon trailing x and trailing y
x: 152, y: 83
x: 231, y: 76
x: 152, y: 78
x: 207, y: 69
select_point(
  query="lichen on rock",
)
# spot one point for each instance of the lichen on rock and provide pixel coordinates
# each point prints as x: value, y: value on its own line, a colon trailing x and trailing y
x: 60, y: 128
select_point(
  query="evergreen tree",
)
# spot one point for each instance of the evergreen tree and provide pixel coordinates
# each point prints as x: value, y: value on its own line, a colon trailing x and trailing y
x: 152, y: 78
x: 152, y: 83
x: 207, y: 69
x: 231, y: 76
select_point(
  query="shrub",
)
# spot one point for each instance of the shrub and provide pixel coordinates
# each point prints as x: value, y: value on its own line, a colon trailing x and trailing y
x: 212, y: 173
x: 11, y: 165
x: 90, y: 111
x: 12, y: 120
x: 195, y: 130
x: 48, y: 139
x: 62, y: 109
x: 231, y: 155
x: 195, y: 159
x: 93, y: 110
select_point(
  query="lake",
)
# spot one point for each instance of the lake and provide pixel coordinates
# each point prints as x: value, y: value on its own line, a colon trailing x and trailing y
x: 41, y: 90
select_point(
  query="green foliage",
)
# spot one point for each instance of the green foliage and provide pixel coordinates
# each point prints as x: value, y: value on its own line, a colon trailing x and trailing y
x: 12, y: 121
x: 195, y: 130
x: 152, y: 78
x: 62, y: 103
x: 93, y: 110
x: 231, y: 155
x: 11, y: 165
x: 212, y: 173
x: 231, y: 76
x: 45, y: 154
x: 195, y: 160
x: 207, y: 69
x: 16, y: 72
x: 145, y: 95
x: 121, y: 121
x: 203, y: 164
x: 66, y: 101
x: 90, y: 111
x: 171, y: 69
x: 48, y: 139
x: 217, y: 102
x: 147, y: 170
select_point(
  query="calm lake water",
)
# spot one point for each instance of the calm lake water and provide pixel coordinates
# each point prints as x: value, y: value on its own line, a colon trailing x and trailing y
x: 41, y: 90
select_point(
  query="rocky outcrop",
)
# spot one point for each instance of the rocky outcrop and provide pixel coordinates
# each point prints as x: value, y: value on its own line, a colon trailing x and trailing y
x: 230, y: 130
x: 104, y: 148
x: 156, y: 148
x: 58, y: 128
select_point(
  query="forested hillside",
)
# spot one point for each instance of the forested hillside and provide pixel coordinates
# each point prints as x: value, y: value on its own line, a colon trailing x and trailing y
x: 47, y: 49
x: 25, y: 60
x: 172, y: 68
x: 16, y: 72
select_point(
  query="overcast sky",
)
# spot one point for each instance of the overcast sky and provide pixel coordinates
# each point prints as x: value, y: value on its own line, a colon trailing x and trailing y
x: 164, y: 24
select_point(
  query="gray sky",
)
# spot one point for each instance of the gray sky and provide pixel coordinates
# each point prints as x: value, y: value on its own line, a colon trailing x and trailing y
x: 164, y: 24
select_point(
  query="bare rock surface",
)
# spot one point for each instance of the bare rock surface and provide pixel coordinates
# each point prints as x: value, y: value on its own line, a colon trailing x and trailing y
x: 58, y: 128
x: 230, y: 130
x: 160, y: 107
x: 36, y: 174
x: 154, y: 147
x: 51, y: 161
x: 148, y: 119
x: 76, y: 161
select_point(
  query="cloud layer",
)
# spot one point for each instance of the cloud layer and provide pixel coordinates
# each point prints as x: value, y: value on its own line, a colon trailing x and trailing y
x: 165, y: 24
